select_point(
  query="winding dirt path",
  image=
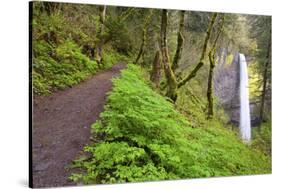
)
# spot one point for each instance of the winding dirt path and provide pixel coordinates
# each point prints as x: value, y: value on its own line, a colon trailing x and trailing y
x: 61, y: 126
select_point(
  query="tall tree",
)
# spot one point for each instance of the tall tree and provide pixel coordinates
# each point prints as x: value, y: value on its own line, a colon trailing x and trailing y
x: 170, y: 76
x: 144, y: 35
x: 201, y: 61
x: 99, y: 48
x: 172, y: 83
x: 180, y: 41
x: 156, y: 69
x: 260, y: 33
x: 265, y: 78
x: 211, y: 70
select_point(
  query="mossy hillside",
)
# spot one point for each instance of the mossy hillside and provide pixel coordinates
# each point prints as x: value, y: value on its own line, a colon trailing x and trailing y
x: 143, y: 137
x: 63, y: 51
x: 262, y: 138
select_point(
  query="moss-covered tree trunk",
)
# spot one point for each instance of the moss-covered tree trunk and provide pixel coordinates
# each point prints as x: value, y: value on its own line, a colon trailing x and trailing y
x: 180, y: 41
x: 265, y: 78
x: 141, y: 51
x: 201, y: 61
x: 211, y: 71
x: 156, y: 69
x: 170, y: 77
x: 99, y: 47
x: 144, y: 36
x: 210, y: 86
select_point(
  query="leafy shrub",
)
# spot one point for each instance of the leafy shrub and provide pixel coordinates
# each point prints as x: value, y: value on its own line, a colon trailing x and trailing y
x: 118, y: 35
x: 40, y: 84
x: 262, y: 138
x: 63, y: 45
x: 144, y: 138
x: 111, y: 57
x: 60, y: 66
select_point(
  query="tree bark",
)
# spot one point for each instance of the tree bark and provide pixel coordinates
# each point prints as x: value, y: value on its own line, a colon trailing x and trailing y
x: 265, y: 77
x: 211, y: 71
x: 210, y: 87
x: 201, y: 61
x: 144, y: 36
x: 142, y: 46
x: 156, y: 69
x: 171, y: 79
x: 99, y: 48
x: 178, y: 54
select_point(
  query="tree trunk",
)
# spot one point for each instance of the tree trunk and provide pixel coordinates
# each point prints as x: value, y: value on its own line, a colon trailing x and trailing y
x: 142, y: 46
x: 211, y: 71
x: 99, y: 48
x: 178, y: 54
x: 200, y: 63
x: 156, y: 69
x: 171, y: 79
x: 265, y: 77
x: 144, y: 36
x: 210, y: 87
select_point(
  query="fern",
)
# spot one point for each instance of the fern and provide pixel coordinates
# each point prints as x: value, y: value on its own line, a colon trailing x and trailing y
x: 144, y: 138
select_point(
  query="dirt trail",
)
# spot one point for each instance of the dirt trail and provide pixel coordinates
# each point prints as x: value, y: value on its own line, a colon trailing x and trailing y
x: 61, y: 126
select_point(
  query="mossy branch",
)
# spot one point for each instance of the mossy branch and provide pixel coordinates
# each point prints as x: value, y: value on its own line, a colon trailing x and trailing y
x: 180, y: 41
x: 171, y: 79
x: 144, y: 35
x: 211, y: 71
x: 126, y: 14
x: 201, y: 63
x: 191, y: 75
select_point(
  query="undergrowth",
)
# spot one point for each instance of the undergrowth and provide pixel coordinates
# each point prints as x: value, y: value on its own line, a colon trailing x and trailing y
x: 143, y: 138
x: 262, y: 138
x: 59, y: 58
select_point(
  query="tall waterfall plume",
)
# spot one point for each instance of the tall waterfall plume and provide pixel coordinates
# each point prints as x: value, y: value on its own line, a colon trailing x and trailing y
x: 245, y: 119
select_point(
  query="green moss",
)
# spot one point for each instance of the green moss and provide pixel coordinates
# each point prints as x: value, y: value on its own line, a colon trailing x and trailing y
x: 229, y: 59
x: 255, y: 78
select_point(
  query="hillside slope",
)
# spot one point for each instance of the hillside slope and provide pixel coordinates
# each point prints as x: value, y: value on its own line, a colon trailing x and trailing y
x: 142, y: 137
x: 63, y: 48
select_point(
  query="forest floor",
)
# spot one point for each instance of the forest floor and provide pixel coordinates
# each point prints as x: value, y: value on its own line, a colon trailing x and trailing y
x: 61, y: 126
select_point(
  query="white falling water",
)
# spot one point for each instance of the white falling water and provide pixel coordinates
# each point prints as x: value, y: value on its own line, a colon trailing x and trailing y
x: 245, y: 120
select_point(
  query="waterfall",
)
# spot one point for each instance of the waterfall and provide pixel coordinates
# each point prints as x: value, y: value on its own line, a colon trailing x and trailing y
x: 245, y: 120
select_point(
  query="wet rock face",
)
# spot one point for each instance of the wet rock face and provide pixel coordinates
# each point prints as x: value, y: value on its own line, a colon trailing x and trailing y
x: 226, y: 86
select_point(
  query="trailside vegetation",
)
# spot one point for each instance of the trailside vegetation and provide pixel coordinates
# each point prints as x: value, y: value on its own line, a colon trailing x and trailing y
x: 144, y: 138
x: 67, y: 48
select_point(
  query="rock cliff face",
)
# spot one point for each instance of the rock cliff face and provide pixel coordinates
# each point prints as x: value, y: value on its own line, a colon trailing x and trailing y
x: 226, y: 84
x: 226, y: 87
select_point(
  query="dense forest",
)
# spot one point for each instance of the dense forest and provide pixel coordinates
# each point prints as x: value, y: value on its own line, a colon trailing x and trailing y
x: 173, y: 112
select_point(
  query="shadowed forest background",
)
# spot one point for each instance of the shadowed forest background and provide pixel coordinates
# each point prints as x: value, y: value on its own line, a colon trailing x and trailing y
x: 173, y: 113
